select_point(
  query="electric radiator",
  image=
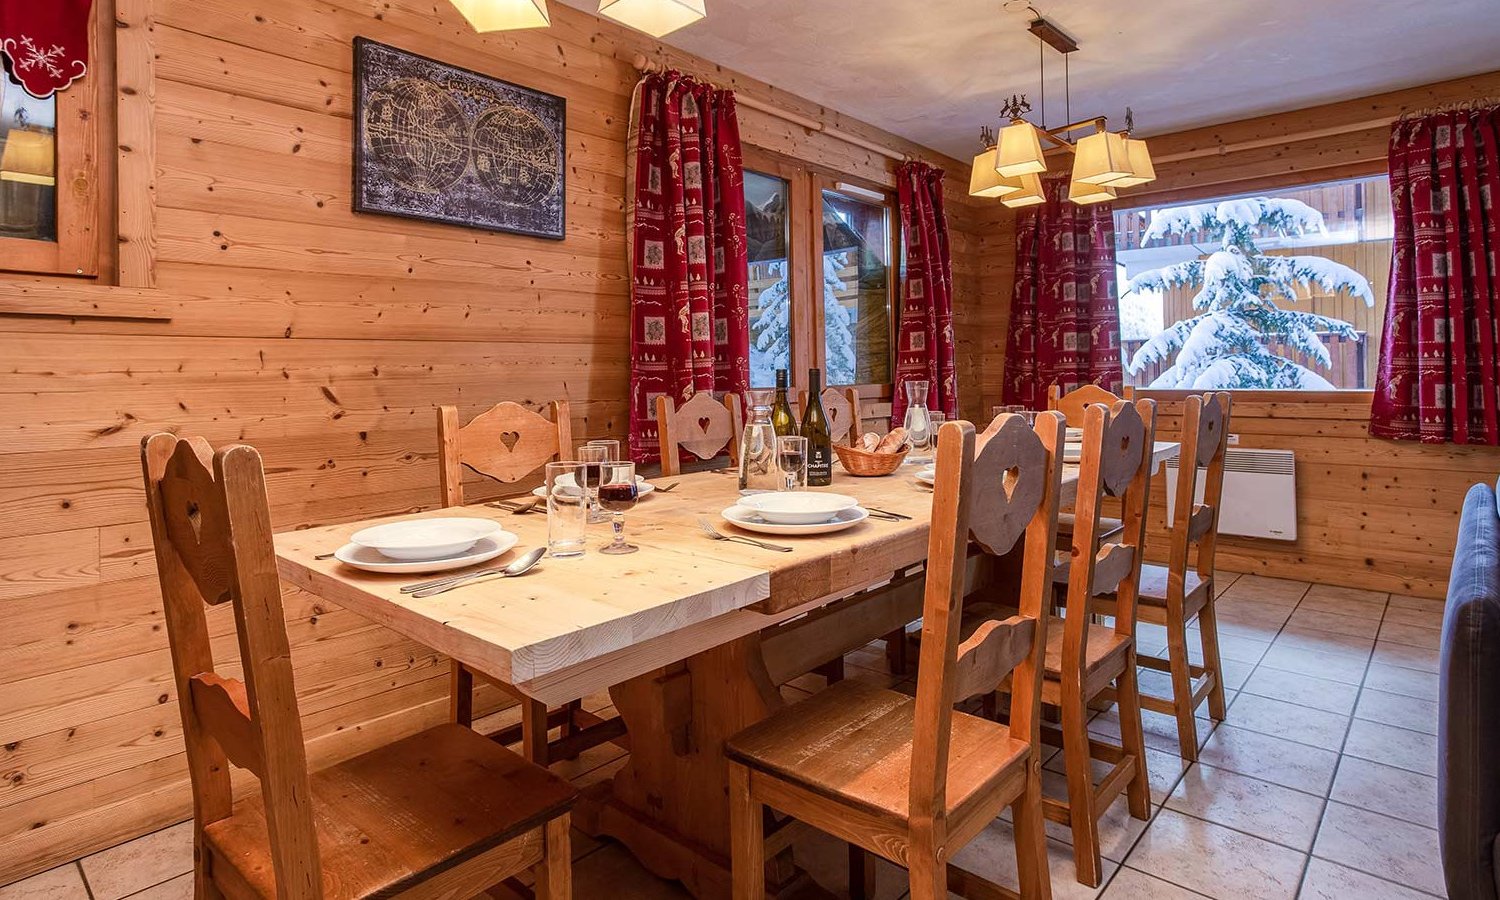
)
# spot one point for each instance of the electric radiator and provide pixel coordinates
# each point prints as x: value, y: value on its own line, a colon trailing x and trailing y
x: 1260, y: 494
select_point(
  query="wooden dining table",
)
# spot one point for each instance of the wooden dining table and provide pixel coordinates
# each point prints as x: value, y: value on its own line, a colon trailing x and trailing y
x: 690, y: 636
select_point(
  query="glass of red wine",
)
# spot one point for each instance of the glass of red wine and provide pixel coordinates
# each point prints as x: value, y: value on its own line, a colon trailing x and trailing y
x: 618, y: 492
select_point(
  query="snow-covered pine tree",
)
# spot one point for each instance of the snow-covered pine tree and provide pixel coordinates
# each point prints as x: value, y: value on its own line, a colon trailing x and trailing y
x: 772, y: 337
x: 1226, y: 346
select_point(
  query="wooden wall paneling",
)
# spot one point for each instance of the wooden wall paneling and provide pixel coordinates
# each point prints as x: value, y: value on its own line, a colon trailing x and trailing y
x: 135, y: 73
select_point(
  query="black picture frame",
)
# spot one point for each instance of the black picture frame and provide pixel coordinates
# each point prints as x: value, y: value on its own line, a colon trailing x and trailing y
x: 480, y: 152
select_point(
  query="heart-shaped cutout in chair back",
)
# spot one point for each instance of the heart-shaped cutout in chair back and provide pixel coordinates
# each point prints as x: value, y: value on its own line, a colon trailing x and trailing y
x: 1210, y: 429
x: 1124, y: 444
x: 508, y: 442
x: 702, y: 426
x: 509, y: 439
x: 1010, y: 478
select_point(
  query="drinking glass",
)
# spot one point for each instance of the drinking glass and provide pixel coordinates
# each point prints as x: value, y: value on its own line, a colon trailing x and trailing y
x: 567, y: 509
x: 613, y: 445
x: 593, y: 457
x: 791, y: 461
x: 617, y: 495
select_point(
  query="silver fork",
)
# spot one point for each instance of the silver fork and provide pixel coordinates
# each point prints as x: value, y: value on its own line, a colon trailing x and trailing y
x: 714, y: 533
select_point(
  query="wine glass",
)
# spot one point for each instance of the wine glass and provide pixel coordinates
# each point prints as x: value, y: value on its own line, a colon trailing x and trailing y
x: 594, y: 457
x: 617, y: 494
x: 791, y: 461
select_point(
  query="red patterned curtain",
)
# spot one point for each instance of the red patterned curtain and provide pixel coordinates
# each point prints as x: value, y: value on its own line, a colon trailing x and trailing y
x: 1064, y: 316
x: 47, y: 42
x: 924, y: 345
x: 1437, y: 381
x: 689, y: 307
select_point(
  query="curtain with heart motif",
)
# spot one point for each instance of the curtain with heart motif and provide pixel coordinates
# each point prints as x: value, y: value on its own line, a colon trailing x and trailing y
x: 46, y: 42
x: 689, y: 268
x: 1439, y: 375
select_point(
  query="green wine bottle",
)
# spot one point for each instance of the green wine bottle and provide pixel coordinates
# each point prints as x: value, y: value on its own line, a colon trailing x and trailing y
x: 782, y: 420
x: 819, y: 437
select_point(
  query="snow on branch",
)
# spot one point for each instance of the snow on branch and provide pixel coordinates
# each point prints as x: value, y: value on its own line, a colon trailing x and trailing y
x: 1288, y: 271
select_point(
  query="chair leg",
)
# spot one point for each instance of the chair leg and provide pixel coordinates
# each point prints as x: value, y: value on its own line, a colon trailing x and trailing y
x: 927, y: 877
x: 461, y: 693
x: 1085, y: 824
x: 534, y: 731
x: 833, y: 670
x: 861, y: 873
x: 554, y: 874
x: 895, y: 651
x: 747, y: 837
x: 1031, y: 836
x: 1208, y: 630
x: 1133, y: 739
x: 1179, y: 665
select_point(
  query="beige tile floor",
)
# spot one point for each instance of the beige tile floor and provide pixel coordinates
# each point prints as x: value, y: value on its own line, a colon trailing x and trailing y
x: 1320, y: 784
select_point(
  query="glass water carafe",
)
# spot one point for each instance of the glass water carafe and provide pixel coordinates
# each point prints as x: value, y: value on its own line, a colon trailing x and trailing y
x: 758, y: 470
x: 918, y: 422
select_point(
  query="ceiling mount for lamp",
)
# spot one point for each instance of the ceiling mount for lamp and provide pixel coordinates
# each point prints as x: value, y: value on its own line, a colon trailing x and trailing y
x: 1104, y: 161
x: 655, y: 17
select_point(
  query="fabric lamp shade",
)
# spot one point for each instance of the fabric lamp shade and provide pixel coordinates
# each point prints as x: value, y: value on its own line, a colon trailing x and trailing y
x: 1086, y: 192
x: 504, y: 15
x: 655, y: 17
x: 984, y: 181
x: 29, y: 157
x: 1030, y: 193
x: 1020, y: 150
x: 1101, y: 158
x: 1140, y: 165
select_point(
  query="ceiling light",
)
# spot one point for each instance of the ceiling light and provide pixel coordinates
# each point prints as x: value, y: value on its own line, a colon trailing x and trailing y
x: 1100, y: 158
x: 984, y: 181
x: 1086, y: 192
x: 655, y: 17
x: 504, y: 15
x: 1030, y: 193
x: 1140, y: 165
x: 1020, y: 150
x: 29, y: 157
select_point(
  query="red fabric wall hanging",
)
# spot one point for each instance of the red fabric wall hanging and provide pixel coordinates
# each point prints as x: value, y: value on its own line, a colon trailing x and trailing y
x: 1065, y: 314
x: 689, y: 270
x: 1439, y: 369
x: 46, y: 41
x: 924, y: 344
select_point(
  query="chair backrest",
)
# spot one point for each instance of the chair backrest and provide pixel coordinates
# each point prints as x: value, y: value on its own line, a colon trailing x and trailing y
x: 702, y: 426
x: 1205, y: 442
x: 1074, y: 403
x: 212, y: 532
x: 1116, y: 461
x: 993, y: 491
x: 506, y: 442
x: 841, y: 405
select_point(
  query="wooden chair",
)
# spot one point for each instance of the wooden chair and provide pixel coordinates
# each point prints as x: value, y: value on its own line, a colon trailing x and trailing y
x: 841, y: 405
x: 703, y: 426
x: 1072, y: 405
x: 914, y: 780
x: 507, y: 443
x: 1085, y: 658
x: 1176, y: 594
x: 441, y: 813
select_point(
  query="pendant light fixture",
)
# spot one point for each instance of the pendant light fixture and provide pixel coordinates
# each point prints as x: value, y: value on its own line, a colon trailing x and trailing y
x: 1103, y: 161
x: 504, y: 15
x: 655, y: 17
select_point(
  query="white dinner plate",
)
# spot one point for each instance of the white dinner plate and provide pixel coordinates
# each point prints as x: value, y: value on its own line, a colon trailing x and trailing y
x: 799, y: 507
x: 1072, y: 453
x: 420, y: 539
x: 750, y: 520
x: 927, y: 476
x: 484, y: 549
x: 643, y: 487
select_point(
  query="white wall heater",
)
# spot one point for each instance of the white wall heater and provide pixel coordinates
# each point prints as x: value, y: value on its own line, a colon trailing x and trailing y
x: 1260, y: 493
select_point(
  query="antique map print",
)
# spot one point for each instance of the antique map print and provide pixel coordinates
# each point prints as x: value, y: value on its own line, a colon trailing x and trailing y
x: 438, y: 142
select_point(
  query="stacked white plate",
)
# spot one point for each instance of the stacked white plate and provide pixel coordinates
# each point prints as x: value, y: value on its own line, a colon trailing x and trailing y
x: 795, y: 512
x: 425, y: 545
x: 642, y: 486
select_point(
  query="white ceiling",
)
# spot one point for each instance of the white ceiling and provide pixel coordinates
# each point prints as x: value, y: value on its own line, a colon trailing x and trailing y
x: 934, y: 70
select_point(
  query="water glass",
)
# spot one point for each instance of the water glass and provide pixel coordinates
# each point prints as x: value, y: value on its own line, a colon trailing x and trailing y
x: 791, y: 461
x: 594, y: 457
x: 618, y: 495
x: 610, y: 443
x: 567, y: 509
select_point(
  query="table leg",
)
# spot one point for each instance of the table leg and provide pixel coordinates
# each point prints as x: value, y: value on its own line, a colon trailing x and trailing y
x: 669, y: 805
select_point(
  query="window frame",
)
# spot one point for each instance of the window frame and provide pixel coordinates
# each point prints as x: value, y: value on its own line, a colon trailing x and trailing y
x: 806, y: 183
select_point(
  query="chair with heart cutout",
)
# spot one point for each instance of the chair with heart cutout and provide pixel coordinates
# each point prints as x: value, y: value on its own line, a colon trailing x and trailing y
x: 703, y: 426
x: 508, y: 443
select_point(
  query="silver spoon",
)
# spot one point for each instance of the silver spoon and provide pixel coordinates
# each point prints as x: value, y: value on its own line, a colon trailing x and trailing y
x: 519, y: 567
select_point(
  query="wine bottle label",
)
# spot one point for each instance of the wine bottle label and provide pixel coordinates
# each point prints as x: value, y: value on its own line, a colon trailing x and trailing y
x: 819, y: 465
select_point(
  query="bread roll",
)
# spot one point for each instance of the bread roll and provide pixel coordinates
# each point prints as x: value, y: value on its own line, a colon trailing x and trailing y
x: 892, y: 442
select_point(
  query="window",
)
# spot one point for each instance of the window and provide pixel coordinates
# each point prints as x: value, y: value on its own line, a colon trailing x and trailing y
x: 1279, y: 290
x: 28, y: 165
x: 839, y: 237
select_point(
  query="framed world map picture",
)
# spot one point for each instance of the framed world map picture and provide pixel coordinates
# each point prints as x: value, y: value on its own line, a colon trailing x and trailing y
x: 445, y: 144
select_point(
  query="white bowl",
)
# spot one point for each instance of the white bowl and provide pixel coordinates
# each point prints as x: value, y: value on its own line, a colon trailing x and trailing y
x: 419, y: 539
x: 798, y: 507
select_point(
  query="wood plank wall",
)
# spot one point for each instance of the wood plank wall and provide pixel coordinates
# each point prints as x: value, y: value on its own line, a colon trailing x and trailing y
x: 276, y: 316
